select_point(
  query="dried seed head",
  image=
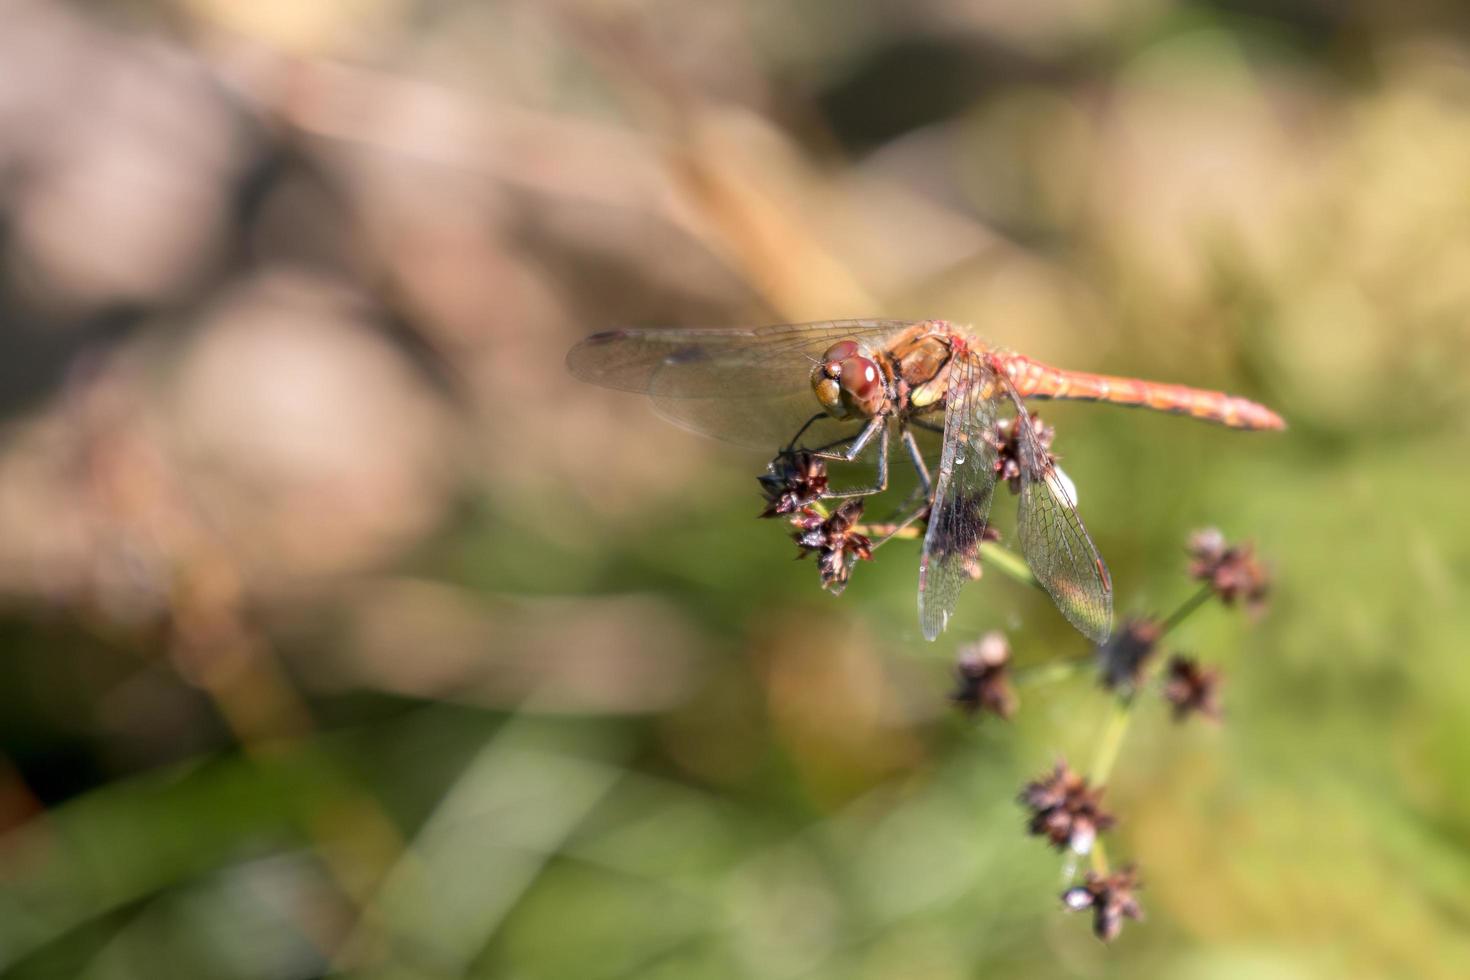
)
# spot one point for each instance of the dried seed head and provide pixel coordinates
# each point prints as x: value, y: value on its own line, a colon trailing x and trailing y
x: 1192, y: 689
x: 1065, y: 809
x: 1111, y: 898
x: 1122, y: 659
x: 791, y: 482
x: 1005, y: 438
x: 834, y: 540
x: 1232, y: 572
x: 982, y: 677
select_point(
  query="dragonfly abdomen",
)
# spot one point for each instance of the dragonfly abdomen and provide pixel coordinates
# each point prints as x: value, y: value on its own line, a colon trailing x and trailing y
x: 1033, y: 379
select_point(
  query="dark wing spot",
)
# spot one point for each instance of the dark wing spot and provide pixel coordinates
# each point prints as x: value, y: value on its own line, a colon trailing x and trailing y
x: 688, y: 355
x: 604, y: 337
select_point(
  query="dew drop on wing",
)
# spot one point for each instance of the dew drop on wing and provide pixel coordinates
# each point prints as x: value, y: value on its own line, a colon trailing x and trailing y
x: 1066, y: 482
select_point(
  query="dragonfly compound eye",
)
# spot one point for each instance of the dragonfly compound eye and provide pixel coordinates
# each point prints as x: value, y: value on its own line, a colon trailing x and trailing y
x: 848, y: 383
x: 862, y: 386
x: 826, y: 375
x: 839, y: 352
x: 828, y: 392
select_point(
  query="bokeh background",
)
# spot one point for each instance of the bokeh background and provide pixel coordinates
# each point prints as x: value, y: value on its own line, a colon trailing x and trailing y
x: 344, y: 634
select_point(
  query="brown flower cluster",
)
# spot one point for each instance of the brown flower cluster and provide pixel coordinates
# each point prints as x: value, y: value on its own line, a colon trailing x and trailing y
x: 835, y: 540
x: 1123, y: 658
x: 792, y: 484
x: 792, y: 481
x: 1065, y: 809
x: 983, y: 677
x: 1191, y: 688
x: 1005, y: 439
x: 1111, y: 899
x: 1232, y: 572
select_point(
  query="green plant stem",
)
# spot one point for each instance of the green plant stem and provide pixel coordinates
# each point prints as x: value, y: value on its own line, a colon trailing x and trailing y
x: 1185, y: 609
x: 1111, y: 741
x: 1009, y: 563
x: 1110, y: 744
x: 1004, y: 560
x: 1120, y: 716
x: 1049, y: 671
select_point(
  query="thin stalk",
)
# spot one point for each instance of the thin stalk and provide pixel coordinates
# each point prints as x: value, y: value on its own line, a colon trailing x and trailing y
x: 1111, y: 741
x: 1109, y: 745
x: 1185, y: 610
x: 1004, y: 560
x: 1049, y: 672
x: 1009, y: 563
x: 889, y: 530
x: 1120, y: 716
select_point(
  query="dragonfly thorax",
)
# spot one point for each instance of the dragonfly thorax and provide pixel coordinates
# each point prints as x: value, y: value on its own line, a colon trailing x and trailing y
x: 849, y: 383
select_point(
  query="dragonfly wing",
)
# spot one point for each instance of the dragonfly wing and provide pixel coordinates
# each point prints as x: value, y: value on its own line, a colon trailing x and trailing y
x: 963, y: 490
x: 750, y: 386
x: 767, y: 423
x: 698, y: 362
x: 1056, y: 545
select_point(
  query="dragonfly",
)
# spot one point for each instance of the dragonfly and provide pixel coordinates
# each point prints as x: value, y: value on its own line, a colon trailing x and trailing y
x: 850, y: 387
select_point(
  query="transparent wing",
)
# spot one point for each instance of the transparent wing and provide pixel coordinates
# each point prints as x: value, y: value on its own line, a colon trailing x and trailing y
x: 744, y: 385
x: 963, y: 489
x: 1055, y: 543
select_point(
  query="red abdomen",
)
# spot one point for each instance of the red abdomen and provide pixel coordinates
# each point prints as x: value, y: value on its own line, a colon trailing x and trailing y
x: 1033, y: 379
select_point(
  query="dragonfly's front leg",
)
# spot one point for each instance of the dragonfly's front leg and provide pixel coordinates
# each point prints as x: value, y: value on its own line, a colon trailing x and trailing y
x: 917, y: 458
x: 877, y: 427
x: 920, y: 492
x: 791, y: 446
x: 917, y: 502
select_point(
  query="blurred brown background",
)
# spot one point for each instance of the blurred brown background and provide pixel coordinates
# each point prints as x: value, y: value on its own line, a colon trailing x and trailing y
x: 343, y: 633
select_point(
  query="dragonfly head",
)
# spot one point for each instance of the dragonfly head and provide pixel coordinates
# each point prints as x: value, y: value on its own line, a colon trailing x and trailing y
x: 848, y: 382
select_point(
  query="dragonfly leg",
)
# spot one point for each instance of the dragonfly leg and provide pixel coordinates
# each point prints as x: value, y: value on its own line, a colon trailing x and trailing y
x: 827, y: 451
x: 917, y: 502
x: 878, y: 427
x: 899, y: 526
x: 791, y: 446
x: 857, y: 443
x: 920, y: 492
x: 917, y: 458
